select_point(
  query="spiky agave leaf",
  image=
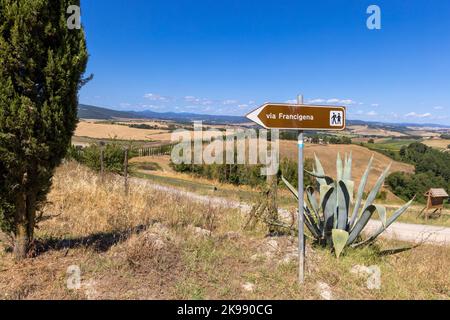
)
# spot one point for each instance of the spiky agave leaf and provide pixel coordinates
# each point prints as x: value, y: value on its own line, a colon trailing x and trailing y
x: 340, y: 238
x: 362, y: 187
x: 343, y: 202
x: 389, y: 221
x: 328, y: 180
x: 361, y: 223
x: 329, y: 208
x: 347, y: 175
x: 376, y: 188
x: 350, y: 185
x: 290, y: 187
x: 319, y: 170
x: 311, y: 224
x: 381, y: 210
x: 313, y: 203
x: 323, y: 191
x: 339, y: 168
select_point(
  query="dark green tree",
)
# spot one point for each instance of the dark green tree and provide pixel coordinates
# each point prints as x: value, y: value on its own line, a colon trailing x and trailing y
x: 42, y: 63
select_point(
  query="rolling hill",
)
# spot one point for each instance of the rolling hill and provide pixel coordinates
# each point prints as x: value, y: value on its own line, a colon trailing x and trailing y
x: 100, y: 113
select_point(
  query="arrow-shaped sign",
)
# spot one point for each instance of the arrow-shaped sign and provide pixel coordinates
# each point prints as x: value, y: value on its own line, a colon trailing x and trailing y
x: 299, y: 117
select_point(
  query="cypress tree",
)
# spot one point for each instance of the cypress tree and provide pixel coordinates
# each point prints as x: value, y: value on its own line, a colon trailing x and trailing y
x: 42, y: 63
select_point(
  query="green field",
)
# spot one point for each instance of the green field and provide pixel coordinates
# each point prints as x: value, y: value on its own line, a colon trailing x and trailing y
x: 390, y: 147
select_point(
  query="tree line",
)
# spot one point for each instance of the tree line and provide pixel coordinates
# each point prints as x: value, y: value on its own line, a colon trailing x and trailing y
x: 432, y: 170
x: 244, y: 174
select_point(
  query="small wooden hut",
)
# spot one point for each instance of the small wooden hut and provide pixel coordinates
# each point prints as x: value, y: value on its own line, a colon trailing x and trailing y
x: 435, y: 200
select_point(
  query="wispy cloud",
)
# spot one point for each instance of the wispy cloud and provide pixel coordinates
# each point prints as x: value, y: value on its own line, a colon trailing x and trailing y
x: 333, y: 101
x: 155, y: 97
x: 229, y: 102
x: 418, y: 115
x: 438, y: 108
x: 317, y: 101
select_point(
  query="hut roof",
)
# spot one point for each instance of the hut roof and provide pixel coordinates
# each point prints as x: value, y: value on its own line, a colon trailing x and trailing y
x: 438, y: 193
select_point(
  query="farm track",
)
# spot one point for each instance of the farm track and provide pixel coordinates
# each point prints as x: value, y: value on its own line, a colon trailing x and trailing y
x: 408, y: 232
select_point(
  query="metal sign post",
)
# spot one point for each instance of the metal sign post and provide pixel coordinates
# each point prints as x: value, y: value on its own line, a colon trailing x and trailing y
x: 301, y: 231
x: 300, y: 117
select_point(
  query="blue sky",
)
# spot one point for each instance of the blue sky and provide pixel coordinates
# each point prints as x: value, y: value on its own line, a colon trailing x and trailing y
x: 228, y: 57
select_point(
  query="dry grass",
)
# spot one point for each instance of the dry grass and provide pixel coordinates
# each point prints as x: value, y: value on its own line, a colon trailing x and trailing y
x: 155, y: 245
x: 106, y: 130
x: 367, y: 131
x: 437, y: 143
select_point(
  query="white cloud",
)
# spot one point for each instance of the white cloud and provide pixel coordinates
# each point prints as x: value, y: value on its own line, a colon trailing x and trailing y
x: 334, y: 101
x: 291, y: 101
x: 207, y: 102
x: 229, y: 101
x: 418, y: 115
x: 155, y: 97
x: 317, y: 101
x: 372, y: 113
x: 375, y: 105
x: 243, y: 105
x: 190, y: 98
x: 438, y: 108
x: 347, y: 101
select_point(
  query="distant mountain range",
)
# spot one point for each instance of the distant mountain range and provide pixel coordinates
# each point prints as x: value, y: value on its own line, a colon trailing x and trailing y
x: 93, y: 112
x: 99, y: 113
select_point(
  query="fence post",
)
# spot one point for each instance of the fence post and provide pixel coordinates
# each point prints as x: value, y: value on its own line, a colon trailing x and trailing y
x: 125, y: 165
x: 102, y: 167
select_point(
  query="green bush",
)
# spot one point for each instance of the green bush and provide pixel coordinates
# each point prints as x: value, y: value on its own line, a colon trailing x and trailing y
x: 406, y: 185
x: 289, y: 170
x: 113, y: 156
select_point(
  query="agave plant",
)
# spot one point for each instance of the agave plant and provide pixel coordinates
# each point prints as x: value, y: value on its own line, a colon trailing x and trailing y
x: 337, y: 219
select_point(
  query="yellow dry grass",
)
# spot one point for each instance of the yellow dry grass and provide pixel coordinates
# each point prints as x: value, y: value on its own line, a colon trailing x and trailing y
x: 437, y: 143
x: 367, y: 131
x: 105, y: 131
x: 146, y: 246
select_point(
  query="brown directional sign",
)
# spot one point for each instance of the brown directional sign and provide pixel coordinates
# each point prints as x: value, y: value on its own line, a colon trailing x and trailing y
x: 299, y: 117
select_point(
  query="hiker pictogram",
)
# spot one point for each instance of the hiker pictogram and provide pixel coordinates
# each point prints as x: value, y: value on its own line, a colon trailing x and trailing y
x: 336, y: 118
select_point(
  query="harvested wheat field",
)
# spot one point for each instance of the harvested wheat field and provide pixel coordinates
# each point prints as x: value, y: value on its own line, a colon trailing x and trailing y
x: 106, y: 130
x: 437, y: 143
x: 153, y: 244
x: 367, y: 131
x: 361, y: 156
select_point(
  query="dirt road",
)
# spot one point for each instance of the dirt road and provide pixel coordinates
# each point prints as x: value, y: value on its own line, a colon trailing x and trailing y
x: 416, y: 233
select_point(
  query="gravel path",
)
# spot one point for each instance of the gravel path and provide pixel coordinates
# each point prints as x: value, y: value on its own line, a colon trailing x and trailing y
x: 416, y: 233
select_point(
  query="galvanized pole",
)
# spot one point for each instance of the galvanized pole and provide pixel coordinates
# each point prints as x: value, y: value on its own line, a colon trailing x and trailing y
x: 301, y: 232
